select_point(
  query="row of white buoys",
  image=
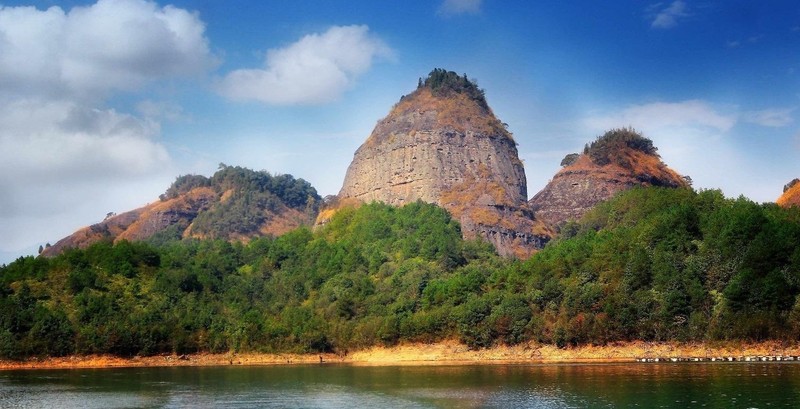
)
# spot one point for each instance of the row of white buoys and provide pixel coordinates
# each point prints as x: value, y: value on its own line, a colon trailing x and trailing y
x: 761, y: 358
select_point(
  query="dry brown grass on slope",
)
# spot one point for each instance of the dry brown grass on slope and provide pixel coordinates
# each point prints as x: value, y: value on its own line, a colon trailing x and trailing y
x: 638, y: 163
x: 144, y: 226
x: 457, y: 112
x: 791, y: 197
x: 447, y: 352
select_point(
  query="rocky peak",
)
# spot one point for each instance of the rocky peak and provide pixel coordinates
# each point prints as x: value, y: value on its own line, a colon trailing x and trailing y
x: 442, y: 144
x: 618, y: 160
x: 791, y: 194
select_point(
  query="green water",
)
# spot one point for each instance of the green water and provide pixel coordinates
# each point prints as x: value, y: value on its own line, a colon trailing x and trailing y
x: 734, y: 385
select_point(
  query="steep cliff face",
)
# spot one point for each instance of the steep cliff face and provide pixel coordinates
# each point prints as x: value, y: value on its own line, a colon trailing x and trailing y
x: 442, y: 144
x: 619, y: 160
x: 791, y: 194
x: 235, y: 204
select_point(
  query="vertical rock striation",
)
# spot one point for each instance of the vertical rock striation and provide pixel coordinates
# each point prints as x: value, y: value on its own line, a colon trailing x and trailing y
x: 442, y: 144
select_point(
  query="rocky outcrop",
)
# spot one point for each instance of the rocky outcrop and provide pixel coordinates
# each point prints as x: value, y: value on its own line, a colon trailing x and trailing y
x: 141, y: 223
x: 619, y: 160
x: 235, y: 204
x: 442, y: 144
x: 791, y: 194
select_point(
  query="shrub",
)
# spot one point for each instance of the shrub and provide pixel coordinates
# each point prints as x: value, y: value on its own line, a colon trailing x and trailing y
x: 605, y: 148
x: 443, y: 82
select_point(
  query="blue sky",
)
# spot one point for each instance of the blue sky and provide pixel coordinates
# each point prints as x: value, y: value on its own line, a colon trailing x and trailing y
x: 103, y: 104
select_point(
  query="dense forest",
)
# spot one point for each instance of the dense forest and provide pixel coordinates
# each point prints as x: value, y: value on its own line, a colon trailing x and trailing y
x: 651, y: 264
x: 254, y: 197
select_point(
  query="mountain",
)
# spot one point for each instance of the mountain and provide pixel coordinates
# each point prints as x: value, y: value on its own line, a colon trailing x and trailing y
x: 235, y: 204
x: 618, y: 160
x: 442, y: 144
x: 791, y: 194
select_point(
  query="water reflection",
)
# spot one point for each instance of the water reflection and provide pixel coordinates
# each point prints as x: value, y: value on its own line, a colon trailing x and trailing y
x: 335, y: 386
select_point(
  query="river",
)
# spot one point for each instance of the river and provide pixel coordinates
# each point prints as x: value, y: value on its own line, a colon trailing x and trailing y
x: 639, y: 385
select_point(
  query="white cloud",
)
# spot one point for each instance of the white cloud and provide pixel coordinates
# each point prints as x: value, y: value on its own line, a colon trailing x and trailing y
x: 668, y: 16
x: 694, y: 113
x: 689, y: 135
x: 59, y: 157
x: 65, y: 158
x: 453, y: 7
x: 110, y: 45
x: 47, y: 141
x: 700, y: 140
x: 316, y: 69
x: 773, y: 118
x: 690, y: 113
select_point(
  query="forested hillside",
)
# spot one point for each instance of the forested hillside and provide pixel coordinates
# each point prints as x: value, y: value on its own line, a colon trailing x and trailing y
x: 234, y: 204
x: 651, y: 264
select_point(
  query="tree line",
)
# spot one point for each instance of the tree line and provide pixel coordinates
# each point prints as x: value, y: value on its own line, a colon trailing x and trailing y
x: 652, y: 264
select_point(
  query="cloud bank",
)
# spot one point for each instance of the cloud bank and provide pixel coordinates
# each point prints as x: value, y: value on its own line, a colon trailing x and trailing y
x: 62, y: 151
x: 316, y: 69
x: 89, y: 51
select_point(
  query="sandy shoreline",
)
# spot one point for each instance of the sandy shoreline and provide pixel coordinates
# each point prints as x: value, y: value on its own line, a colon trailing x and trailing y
x: 442, y: 353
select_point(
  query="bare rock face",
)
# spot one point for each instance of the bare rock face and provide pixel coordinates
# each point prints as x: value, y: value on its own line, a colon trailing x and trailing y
x: 108, y: 229
x: 442, y: 144
x: 791, y: 194
x: 619, y: 160
x: 141, y: 223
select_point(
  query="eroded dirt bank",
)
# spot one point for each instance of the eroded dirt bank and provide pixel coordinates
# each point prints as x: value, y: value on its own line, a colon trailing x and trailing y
x: 442, y: 353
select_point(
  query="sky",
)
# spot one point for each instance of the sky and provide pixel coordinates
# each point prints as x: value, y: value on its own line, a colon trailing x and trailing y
x: 104, y: 103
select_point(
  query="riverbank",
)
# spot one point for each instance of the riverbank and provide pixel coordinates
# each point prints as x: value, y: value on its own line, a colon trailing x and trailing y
x: 442, y: 353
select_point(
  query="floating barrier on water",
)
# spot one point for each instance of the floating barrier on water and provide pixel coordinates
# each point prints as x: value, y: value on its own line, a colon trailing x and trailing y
x: 750, y: 358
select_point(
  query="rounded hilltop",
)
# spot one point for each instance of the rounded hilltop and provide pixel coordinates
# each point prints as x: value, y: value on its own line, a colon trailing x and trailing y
x: 444, y: 99
x: 618, y: 160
